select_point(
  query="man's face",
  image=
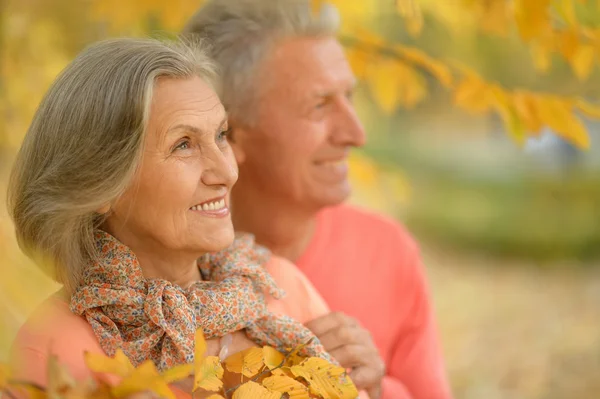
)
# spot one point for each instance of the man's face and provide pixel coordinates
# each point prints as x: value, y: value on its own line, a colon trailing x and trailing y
x: 297, y: 149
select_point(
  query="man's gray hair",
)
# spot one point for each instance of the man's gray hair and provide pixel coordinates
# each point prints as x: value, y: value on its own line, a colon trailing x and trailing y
x: 85, y: 144
x: 242, y: 32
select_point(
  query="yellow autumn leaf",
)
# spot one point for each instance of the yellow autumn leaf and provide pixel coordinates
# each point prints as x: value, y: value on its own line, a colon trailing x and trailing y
x: 590, y: 110
x: 60, y: 380
x: 412, y: 14
x: 315, y: 6
x: 247, y: 362
x: 199, y: 345
x: 566, y: 10
x: 532, y: 18
x: 494, y: 16
x: 558, y: 115
x: 582, y: 61
x: 215, y: 396
x: 525, y: 106
x: 541, y: 54
x: 272, y: 357
x: 178, y: 373
x: 119, y: 364
x: 252, y: 390
x: 208, y: 374
x: 359, y: 60
x: 325, y: 379
x: 5, y: 375
x: 144, y: 378
x: 512, y: 122
x: 473, y: 95
x: 285, y: 384
x: 394, y: 83
x: 294, y: 357
x: 440, y: 71
x: 568, y: 43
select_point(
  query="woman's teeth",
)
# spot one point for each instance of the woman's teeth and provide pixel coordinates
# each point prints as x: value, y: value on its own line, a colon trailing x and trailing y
x: 210, y: 206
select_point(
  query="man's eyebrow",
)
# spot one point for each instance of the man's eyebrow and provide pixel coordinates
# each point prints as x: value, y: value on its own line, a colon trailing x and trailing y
x: 331, y: 93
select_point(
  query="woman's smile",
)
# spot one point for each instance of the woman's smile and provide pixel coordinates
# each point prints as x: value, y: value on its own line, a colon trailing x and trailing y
x: 215, y: 208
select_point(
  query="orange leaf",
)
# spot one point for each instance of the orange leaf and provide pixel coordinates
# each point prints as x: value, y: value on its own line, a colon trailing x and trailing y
x: 247, y: 362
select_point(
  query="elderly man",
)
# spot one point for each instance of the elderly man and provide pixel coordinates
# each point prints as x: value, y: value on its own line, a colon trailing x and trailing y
x: 288, y: 87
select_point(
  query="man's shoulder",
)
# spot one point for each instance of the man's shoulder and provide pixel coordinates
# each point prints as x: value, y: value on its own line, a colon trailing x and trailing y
x: 352, y: 219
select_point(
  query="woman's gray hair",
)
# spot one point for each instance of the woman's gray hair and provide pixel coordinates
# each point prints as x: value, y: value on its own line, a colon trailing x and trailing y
x: 85, y: 143
x: 242, y: 32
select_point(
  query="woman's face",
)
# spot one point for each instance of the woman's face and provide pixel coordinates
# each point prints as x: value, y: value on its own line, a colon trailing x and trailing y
x: 179, y: 198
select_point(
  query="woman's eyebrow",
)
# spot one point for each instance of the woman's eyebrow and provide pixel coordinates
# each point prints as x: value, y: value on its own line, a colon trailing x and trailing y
x: 194, y: 129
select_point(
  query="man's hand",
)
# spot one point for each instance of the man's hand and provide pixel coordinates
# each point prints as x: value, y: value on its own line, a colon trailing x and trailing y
x: 351, y: 345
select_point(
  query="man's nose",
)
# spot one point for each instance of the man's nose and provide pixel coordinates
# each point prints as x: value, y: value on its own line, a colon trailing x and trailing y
x: 347, y: 128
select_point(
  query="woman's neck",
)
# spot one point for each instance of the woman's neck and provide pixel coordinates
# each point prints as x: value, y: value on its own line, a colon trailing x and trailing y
x: 178, y: 267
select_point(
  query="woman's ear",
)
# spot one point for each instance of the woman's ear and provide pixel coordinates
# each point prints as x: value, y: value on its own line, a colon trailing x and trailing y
x: 103, y: 210
x: 237, y: 138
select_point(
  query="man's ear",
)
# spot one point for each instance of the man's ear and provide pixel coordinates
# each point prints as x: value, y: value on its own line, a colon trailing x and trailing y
x: 237, y: 138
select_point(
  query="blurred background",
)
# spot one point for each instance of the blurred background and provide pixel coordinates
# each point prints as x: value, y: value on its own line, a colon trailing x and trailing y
x: 506, y: 213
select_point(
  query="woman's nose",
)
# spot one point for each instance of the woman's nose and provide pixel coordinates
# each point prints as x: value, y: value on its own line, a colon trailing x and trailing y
x: 220, y: 169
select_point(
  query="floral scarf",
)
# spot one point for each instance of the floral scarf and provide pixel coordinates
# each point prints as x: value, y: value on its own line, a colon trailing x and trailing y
x: 155, y: 319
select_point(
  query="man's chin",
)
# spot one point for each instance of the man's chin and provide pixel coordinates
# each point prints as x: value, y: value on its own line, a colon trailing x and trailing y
x: 333, y: 197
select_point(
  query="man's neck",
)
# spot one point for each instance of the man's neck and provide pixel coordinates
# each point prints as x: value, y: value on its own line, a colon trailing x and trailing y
x: 285, y: 230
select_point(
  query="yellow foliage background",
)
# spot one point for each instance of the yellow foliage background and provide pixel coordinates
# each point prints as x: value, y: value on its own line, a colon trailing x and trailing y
x: 451, y: 93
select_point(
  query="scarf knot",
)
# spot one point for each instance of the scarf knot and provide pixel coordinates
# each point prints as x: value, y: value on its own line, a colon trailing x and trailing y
x: 156, y: 319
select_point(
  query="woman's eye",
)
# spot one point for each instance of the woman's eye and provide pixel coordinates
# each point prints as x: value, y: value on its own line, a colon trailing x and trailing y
x: 184, y: 145
x: 223, y: 135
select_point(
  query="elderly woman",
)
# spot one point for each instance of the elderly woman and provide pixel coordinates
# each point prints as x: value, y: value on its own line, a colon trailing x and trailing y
x: 121, y: 191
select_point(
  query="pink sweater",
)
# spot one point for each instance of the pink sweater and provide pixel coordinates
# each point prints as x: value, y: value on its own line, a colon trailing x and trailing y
x: 369, y: 267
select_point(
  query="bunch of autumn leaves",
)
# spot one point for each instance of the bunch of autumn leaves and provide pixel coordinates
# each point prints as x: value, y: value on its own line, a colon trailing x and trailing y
x: 251, y: 374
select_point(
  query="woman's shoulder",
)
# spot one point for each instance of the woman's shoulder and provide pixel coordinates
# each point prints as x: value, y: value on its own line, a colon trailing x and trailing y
x: 302, y: 301
x: 52, y: 329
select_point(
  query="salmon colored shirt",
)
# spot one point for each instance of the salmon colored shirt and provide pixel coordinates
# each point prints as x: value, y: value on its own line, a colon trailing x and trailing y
x: 54, y: 329
x: 369, y: 267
